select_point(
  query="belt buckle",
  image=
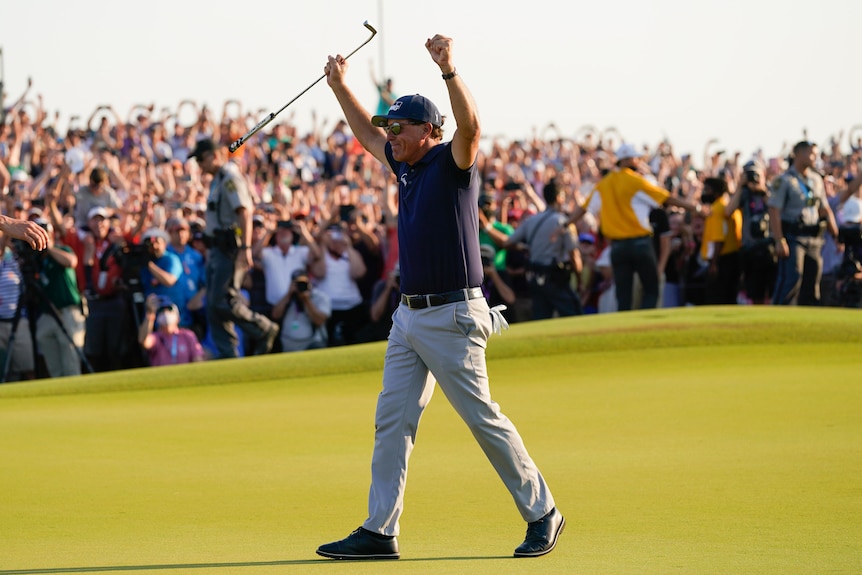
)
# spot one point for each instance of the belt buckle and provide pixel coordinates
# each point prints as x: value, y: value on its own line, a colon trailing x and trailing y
x: 416, y: 301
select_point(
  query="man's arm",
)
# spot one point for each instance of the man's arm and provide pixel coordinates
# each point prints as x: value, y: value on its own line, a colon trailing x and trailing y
x: 30, y: 232
x: 67, y: 259
x: 777, y: 232
x: 163, y: 277
x: 663, y: 252
x: 465, y: 141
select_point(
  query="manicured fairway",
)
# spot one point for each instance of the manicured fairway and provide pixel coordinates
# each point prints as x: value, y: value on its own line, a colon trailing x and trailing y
x: 710, y: 440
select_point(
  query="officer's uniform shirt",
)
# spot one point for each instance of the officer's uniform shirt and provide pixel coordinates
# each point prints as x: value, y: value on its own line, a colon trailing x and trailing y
x: 228, y: 192
x: 549, y: 240
x: 799, y: 197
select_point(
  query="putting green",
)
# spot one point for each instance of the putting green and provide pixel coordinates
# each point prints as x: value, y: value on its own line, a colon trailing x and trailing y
x: 708, y: 440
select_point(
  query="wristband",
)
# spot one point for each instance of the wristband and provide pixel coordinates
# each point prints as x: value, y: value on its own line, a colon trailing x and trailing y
x: 244, y: 247
x: 450, y: 75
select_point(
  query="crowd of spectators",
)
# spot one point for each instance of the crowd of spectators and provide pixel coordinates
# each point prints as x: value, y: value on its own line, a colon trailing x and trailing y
x: 126, y: 204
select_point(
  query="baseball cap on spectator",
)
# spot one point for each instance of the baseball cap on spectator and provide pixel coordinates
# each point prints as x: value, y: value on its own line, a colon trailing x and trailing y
x: 177, y: 223
x: 485, y: 200
x: 751, y: 165
x: 34, y: 213
x: 627, y: 151
x: 284, y: 225
x: 587, y: 238
x: 155, y: 233
x: 202, y: 147
x: 298, y: 273
x: 414, y: 107
x: 258, y: 220
x: 98, y: 211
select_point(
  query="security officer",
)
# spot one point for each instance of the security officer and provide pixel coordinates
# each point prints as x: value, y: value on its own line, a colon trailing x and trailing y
x: 798, y: 213
x: 228, y: 227
x: 554, y: 256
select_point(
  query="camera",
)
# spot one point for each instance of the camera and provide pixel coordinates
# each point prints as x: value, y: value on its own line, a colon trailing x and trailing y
x: 759, y: 226
x: 132, y: 259
x: 302, y: 286
x: 28, y: 258
x: 752, y: 176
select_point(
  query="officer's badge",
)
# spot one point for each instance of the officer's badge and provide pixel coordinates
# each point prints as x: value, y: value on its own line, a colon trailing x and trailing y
x: 230, y: 186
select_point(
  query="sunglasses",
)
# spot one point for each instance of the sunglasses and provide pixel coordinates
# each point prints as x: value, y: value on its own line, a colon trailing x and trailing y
x: 396, y: 127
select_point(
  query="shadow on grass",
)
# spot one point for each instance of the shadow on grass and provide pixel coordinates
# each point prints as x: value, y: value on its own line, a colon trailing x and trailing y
x: 108, y: 568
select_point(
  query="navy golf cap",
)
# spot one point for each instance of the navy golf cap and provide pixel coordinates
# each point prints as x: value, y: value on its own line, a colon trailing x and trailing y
x: 415, y: 107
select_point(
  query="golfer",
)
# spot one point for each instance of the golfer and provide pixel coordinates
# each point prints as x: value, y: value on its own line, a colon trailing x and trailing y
x: 441, y: 327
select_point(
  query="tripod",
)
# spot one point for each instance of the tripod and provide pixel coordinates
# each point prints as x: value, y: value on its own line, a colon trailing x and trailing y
x: 28, y: 292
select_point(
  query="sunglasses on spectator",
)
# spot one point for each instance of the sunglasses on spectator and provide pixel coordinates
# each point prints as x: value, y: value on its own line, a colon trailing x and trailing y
x: 396, y: 127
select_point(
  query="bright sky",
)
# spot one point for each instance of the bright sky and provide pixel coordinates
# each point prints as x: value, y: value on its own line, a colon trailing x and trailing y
x: 751, y: 73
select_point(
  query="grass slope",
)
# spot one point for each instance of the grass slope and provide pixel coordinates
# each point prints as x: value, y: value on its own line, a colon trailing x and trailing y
x: 709, y: 440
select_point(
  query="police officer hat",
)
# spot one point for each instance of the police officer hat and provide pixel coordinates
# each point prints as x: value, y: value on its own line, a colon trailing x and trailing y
x: 202, y: 147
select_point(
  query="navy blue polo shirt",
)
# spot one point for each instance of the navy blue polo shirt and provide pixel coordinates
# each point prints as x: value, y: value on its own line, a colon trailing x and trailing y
x: 438, y: 223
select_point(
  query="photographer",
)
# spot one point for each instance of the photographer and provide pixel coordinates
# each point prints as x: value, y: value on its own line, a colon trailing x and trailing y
x: 303, y: 312
x: 99, y: 275
x: 21, y: 364
x: 757, y: 254
x: 59, y: 288
x: 160, y: 274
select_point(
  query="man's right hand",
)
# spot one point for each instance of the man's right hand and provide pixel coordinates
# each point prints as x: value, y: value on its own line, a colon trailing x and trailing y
x: 335, y: 69
x: 782, y: 250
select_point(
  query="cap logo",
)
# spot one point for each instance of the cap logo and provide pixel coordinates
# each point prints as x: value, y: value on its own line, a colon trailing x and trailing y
x: 396, y: 106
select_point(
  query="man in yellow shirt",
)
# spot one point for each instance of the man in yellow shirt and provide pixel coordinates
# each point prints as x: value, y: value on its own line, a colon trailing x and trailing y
x: 722, y: 235
x: 626, y: 200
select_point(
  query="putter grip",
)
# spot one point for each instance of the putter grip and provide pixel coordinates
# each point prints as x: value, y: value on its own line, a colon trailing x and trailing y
x: 235, y: 146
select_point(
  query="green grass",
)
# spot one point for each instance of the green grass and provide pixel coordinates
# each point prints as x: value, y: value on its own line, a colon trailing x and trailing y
x: 709, y: 440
